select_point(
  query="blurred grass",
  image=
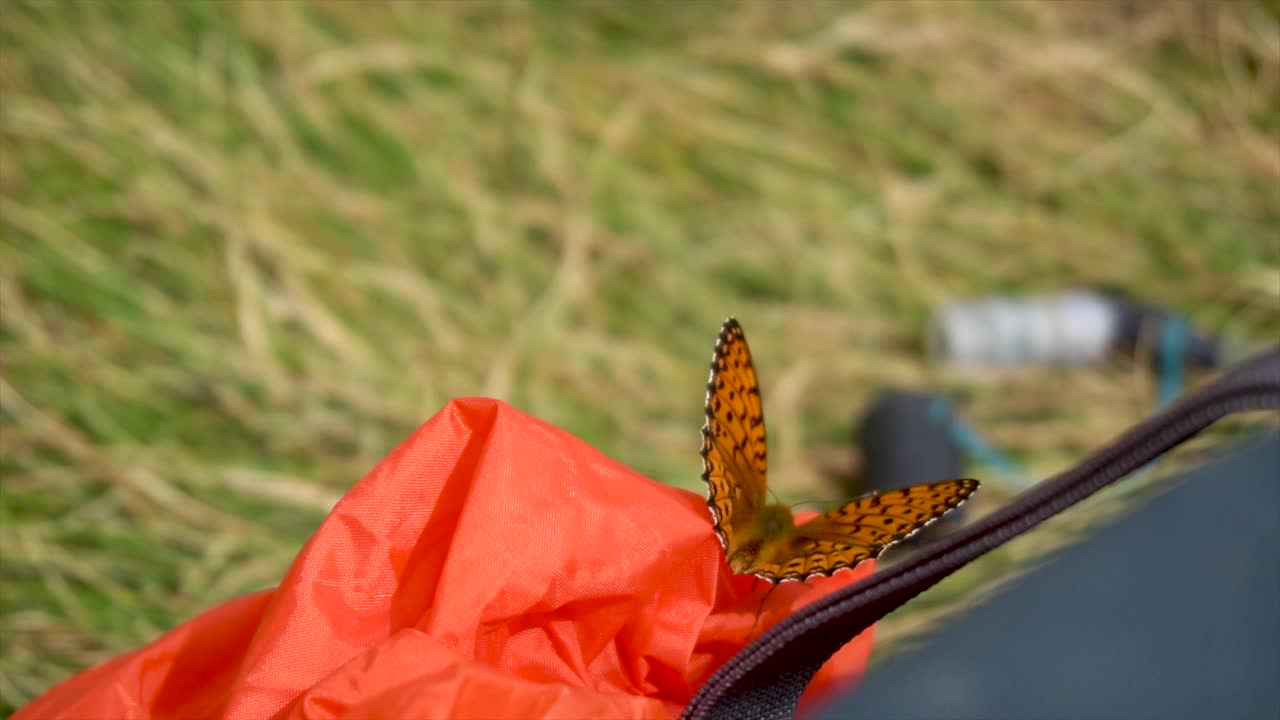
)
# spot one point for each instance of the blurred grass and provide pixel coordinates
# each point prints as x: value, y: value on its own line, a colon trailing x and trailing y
x: 248, y: 247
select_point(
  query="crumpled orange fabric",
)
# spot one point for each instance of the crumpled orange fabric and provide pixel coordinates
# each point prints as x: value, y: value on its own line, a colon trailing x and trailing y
x: 491, y: 566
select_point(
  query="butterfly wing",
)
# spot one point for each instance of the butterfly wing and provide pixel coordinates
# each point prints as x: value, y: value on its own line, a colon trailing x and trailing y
x: 734, y: 461
x: 860, y: 530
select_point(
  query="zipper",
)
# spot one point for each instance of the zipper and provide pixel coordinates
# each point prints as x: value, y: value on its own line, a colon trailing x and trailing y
x: 764, y: 680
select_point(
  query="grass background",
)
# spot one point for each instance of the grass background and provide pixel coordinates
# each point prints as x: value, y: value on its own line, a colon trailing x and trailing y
x: 248, y: 247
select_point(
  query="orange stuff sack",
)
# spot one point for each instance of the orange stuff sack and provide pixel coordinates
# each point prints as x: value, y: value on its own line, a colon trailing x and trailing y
x: 490, y: 566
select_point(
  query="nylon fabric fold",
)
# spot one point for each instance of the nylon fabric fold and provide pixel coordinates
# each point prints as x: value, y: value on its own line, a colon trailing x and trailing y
x: 492, y: 565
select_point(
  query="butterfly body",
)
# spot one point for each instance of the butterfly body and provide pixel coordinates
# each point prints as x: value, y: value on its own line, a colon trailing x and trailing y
x: 762, y: 538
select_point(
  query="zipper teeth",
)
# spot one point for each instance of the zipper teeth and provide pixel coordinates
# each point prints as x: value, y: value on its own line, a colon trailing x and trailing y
x: 1088, y: 484
x: 1254, y: 386
x: 1002, y: 529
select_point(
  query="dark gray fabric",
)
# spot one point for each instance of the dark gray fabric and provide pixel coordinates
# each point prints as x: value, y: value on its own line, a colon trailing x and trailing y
x: 802, y: 641
x: 1171, y: 612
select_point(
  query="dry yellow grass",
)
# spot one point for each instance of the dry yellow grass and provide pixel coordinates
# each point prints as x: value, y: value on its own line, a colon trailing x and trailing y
x: 249, y: 246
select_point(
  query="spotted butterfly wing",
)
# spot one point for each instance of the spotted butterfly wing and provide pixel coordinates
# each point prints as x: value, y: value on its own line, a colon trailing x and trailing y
x: 860, y: 530
x: 761, y: 538
x: 734, y: 457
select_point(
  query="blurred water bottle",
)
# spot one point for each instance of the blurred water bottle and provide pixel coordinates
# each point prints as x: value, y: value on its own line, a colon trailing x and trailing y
x: 1074, y: 328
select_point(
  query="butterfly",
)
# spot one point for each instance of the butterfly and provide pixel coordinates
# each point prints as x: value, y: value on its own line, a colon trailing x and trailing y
x: 761, y: 538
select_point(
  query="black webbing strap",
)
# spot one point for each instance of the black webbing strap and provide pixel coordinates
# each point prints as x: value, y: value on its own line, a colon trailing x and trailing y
x: 764, y: 681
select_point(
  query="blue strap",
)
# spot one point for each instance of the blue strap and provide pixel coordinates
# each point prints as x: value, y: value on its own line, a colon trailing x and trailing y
x: 972, y: 444
x: 1171, y: 359
x: 1172, y: 355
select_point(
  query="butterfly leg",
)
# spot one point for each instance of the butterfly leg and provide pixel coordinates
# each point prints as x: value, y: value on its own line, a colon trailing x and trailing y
x: 759, y: 611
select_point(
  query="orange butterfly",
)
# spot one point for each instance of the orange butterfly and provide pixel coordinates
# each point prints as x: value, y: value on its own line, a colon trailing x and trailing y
x: 761, y: 538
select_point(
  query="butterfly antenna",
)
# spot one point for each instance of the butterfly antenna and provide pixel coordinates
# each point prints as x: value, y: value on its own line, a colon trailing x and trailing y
x: 819, y: 503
